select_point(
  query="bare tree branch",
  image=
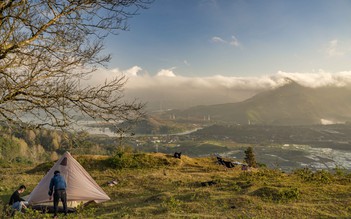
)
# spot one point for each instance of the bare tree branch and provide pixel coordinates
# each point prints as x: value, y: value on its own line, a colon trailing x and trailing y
x: 48, y: 47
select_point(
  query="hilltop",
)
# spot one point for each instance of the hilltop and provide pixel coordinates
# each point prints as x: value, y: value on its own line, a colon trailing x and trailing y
x: 291, y: 104
x: 159, y: 186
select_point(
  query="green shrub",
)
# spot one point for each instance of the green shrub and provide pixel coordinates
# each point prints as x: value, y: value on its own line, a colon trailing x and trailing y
x: 339, y: 171
x: 32, y: 214
x: 85, y: 211
x: 290, y: 194
x: 320, y: 176
x: 23, y: 160
x: 4, y: 163
x: 277, y: 194
x: 261, y: 175
x: 92, y: 163
x: 172, y: 204
x: 135, y: 160
x: 41, y: 168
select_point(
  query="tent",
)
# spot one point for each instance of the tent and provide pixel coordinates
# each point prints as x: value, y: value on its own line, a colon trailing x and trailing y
x: 81, y: 187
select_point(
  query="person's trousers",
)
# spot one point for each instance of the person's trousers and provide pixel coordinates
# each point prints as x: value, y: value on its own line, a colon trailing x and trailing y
x: 17, y: 206
x: 60, y: 195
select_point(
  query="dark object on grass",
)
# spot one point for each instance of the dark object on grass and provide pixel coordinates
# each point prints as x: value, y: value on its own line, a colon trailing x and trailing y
x: 177, y: 155
x: 228, y: 164
x: 208, y: 183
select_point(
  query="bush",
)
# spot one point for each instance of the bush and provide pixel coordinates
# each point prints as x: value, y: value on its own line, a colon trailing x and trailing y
x: 277, y: 195
x: 136, y: 160
x: 92, y: 163
x: 261, y: 175
x: 4, y: 163
x: 41, y: 168
x: 173, y: 205
x: 320, y: 176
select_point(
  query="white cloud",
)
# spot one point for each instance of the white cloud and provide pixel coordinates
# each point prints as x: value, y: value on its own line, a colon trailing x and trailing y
x: 102, y: 75
x: 232, y: 42
x: 317, y: 79
x: 217, y: 39
x: 334, y: 49
x: 133, y: 71
x: 175, y: 91
x: 166, y: 73
x: 338, y: 48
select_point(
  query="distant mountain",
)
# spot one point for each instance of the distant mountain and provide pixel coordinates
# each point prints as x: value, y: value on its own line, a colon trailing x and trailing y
x: 291, y: 104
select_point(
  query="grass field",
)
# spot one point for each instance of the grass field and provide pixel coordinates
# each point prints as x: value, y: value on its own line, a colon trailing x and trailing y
x: 159, y: 186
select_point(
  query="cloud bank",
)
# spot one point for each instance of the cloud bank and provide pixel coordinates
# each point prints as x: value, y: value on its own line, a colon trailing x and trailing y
x: 167, y: 90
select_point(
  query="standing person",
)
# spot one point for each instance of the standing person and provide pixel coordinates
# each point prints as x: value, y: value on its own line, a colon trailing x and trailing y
x: 16, y: 202
x: 58, y: 188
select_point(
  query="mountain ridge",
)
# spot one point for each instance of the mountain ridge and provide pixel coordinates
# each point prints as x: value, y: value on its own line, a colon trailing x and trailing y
x: 290, y: 104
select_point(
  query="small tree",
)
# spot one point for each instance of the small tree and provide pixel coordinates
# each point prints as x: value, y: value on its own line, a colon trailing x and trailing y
x: 250, y: 157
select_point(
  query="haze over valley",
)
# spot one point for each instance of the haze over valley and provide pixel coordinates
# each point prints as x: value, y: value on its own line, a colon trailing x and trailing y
x: 290, y: 126
x: 253, y: 65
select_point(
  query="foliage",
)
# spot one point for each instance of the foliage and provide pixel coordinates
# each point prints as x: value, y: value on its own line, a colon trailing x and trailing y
x: 318, y: 177
x: 23, y: 145
x: 250, y: 157
x: 40, y: 145
x: 276, y: 194
x: 32, y: 214
x: 85, y: 212
x: 9, y: 149
x: 124, y: 157
x: 42, y: 168
x: 135, y: 160
x: 4, y: 163
x: 172, y: 204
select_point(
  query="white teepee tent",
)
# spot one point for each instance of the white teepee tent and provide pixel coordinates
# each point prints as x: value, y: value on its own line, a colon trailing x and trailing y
x: 81, y: 187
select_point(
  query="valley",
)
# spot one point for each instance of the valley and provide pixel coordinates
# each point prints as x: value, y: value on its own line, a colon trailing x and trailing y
x: 281, y: 147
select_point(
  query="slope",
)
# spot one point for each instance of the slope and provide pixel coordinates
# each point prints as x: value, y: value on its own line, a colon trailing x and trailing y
x: 291, y: 104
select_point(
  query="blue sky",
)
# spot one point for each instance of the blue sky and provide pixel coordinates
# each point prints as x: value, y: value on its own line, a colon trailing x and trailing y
x: 182, y: 53
x: 236, y: 37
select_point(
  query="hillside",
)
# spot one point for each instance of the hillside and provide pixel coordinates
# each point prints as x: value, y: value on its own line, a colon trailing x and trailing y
x: 165, y: 187
x: 291, y: 104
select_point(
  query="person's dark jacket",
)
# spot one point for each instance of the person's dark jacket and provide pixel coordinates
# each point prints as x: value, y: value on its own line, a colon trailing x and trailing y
x: 15, y: 197
x: 57, y: 183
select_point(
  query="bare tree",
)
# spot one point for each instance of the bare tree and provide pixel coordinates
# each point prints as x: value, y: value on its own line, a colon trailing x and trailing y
x: 47, y: 47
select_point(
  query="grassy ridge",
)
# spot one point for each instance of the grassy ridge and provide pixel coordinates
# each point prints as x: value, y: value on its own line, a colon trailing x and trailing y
x: 160, y: 186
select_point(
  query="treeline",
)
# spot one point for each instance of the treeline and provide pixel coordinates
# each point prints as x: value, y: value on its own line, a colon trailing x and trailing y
x: 150, y: 125
x: 37, y: 145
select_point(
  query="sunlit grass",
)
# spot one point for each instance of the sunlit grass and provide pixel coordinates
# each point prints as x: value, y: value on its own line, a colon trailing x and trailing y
x: 199, y: 188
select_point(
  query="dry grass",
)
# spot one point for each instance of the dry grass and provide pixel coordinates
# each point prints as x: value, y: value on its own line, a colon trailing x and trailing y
x: 180, y: 188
